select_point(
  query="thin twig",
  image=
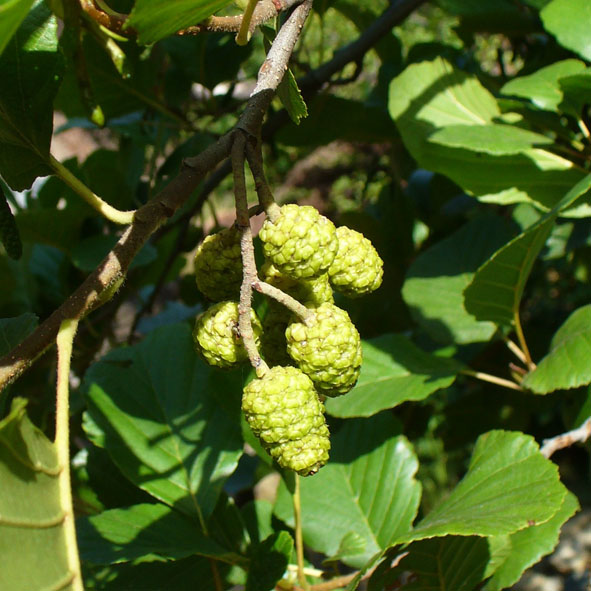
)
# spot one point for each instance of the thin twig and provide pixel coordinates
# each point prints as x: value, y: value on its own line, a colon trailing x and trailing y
x: 299, y: 539
x: 514, y: 348
x: 290, y: 303
x: 249, y: 269
x: 265, y: 10
x: 65, y: 339
x: 486, y: 377
x: 578, y: 435
x: 522, y: 342
x: 255, y: 163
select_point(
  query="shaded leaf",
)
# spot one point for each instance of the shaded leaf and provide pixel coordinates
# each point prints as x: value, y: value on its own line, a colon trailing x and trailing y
x: 157, y: 410
x: 331, y: 118
x: 569, y: 21
x: 187, y: 574
x: 156, y: 19
x: 32, y: 539
x: 32, y: 61
x: 529, y: 545
x: 14, y: 330
x: 451, y: 562
x: 146, y: 531
x: 269, y: 562
x: 497, y: 287
x: 436, y: 280
x: 576, y: 91
x: 394, y: 370
x: 509, y: 486
x: 368, y: 488
x: 9, y: 234
x: 567, y: 364
x: 542, y: 87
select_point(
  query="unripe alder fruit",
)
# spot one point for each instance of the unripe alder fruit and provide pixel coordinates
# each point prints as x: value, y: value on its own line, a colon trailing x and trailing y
x: 216, y: 336
x: 327, y: 348
x: 301, y: 243
x: 218, y: 265
x: 310, y: 292
x: 357, y: 269
x: 283, y: 411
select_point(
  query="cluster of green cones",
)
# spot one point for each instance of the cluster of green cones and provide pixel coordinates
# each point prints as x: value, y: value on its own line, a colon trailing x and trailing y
x: 309, y: 357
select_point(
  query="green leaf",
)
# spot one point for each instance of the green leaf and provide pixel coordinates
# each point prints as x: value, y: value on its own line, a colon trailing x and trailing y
x: 367, y: 488
x: 509, y: 486
x: 497, y: 287
x: 291, y: 97
x: 269, y: 562
x: 429, y: 96
x: 568, y: 21
x: 14, y: 330
x: 32, y: 538
x: 529, y: 545
x: 146, y: 531
x: 32, y: 62
x: 158, y: 411
x: 156, y: 19
x: 576, y: 90
x: 452, y: 562
x: 12, y: 13
x: 495, y: 139
x: 542, y: 87
x: 394, y: 370
x: 436, y: 280
x: 567, y: 364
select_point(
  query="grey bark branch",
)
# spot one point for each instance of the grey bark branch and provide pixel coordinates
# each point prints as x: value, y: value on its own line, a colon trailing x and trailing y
x: 149, y: 217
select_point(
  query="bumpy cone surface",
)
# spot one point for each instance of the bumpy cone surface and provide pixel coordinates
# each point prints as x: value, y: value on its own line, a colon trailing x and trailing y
x: 328, y: 349
x: 216, y: 336
x: 273, y: 343
x: 301, y: 243
x: 357, y: 269
x: 310, y: 292
x: 283, y: 411
x: 218, y: 265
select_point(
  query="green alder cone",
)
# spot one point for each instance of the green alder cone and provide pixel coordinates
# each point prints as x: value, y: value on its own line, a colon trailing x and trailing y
x: 218, y: 265
x: 357, y: 269
x: 283, y: 411
x: 301, y: 243
x: 216, y: 336
x: 273, y: 342
x: 327, y: 348
x: 310, y: 292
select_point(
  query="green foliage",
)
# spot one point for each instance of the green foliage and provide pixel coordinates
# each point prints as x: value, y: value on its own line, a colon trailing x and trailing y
x: 456, y: 139
x: 32, y: 513
x: 32, y: 60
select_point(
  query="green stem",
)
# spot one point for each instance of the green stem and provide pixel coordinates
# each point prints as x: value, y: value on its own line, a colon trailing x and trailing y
x: 65, y: 339
x: 114, y: 215
x: 244, y: 32
x: 299, y: 539
x: 522, y: 342
x: 486, y: 377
